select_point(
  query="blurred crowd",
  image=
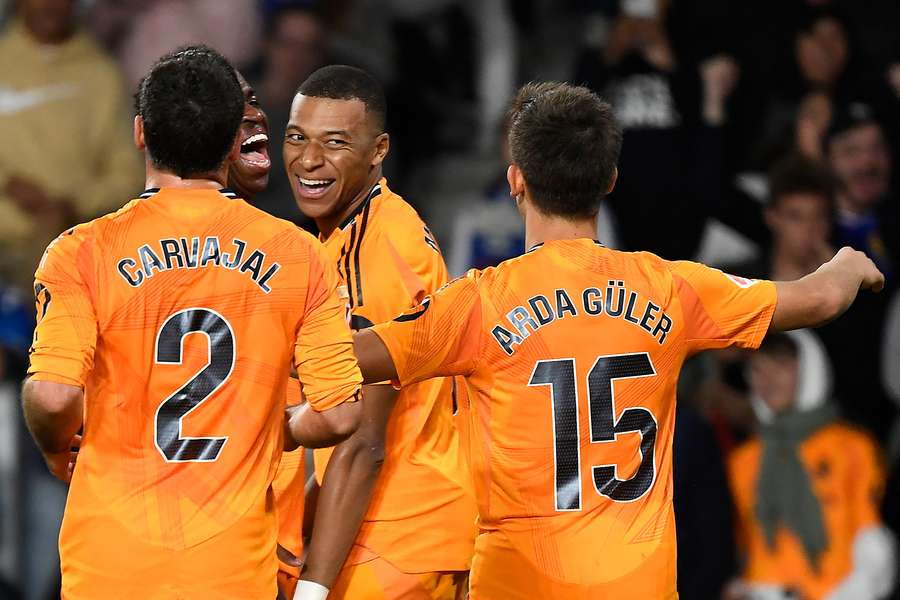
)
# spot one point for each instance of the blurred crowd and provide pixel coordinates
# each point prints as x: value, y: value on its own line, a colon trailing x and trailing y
x: 759, y: 137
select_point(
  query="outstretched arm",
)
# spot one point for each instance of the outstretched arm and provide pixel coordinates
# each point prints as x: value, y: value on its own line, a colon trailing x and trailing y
x: 347, y: 488
x: 826, y: 293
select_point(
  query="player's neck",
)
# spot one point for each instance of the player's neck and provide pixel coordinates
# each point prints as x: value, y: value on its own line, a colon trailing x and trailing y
x: 329, y: 223
x: 164, y: 179
x: 542, y: 228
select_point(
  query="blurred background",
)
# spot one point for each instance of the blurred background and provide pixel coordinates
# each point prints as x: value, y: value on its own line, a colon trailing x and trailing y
x: 759, y: 137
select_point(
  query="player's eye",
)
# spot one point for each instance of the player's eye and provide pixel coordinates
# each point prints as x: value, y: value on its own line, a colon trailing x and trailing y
x: 336, y: 143
x: 253, y: 101
x: 295, y: 137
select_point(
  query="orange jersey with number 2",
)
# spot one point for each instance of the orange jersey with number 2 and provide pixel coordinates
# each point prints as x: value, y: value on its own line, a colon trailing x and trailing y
x: 571, y: 355
x: 181, y: 316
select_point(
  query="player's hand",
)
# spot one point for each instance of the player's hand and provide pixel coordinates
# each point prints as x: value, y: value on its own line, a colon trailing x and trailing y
x: 862, y: 265
x: 288, y: 558
x: 62, y: 464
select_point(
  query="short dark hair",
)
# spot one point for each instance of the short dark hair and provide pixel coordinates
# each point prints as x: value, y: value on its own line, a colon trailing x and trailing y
x: 566, y: 141
x: 343, y: 82
x: 796, y: 174
x: 191, y: 104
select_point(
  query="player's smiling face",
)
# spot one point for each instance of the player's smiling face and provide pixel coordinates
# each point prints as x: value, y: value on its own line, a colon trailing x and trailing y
x: 330, y: 151
x: 249, y: 175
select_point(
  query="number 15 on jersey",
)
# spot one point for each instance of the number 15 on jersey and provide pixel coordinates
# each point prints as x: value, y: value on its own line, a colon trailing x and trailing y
x: 560, y: 375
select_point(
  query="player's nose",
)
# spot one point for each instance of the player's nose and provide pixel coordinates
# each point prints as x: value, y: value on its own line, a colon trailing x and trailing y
x: 313, y: 156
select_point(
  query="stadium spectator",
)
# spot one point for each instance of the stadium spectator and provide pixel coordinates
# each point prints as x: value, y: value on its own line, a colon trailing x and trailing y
x: 857, y: 150
x: 138, y: 31
x: 807, y: 489
x: 799, y: 217
x: 67, y: 151
x: 672, y: 116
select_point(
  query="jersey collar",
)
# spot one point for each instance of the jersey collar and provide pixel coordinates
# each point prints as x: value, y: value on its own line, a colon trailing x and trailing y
x: 227, y: 192
x: 375, y: 191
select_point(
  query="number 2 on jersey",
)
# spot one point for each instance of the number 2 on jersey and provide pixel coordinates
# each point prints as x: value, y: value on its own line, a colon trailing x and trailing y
x: 173, y: 409
x: 560, y: 375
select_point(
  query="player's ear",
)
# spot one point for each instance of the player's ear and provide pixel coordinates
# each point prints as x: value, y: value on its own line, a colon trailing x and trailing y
x: 516, y: 180
x: 613, y: 180
x: 139, y: 133
x: 382, y: 145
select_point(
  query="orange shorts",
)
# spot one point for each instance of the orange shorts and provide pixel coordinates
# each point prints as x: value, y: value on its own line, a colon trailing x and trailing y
x: 500, y: 572
x: 377, y: 579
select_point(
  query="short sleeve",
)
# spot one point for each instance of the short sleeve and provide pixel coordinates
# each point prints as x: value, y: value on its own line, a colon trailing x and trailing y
x: 721, y: 310
x: 66, y: 332
x: 440, y: 337
x: 323, y: 352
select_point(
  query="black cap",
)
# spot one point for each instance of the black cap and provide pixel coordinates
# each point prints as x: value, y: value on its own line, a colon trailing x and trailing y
x: 849, y: 116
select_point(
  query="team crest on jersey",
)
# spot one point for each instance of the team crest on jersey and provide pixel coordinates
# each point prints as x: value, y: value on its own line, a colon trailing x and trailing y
x: 741, y: 282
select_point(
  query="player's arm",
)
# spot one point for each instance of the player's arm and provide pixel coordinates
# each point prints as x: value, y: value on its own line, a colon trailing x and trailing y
x: 62, y: 352
x: 350, y: 477
x: 446, y: 329
x: 313, y: 429
x: 326, y: 367
x: 53, y: 413
x: 375, y: 362
x: 826, y: 293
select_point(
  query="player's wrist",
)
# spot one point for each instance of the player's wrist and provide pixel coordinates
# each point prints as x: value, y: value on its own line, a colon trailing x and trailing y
x: 310, y: 590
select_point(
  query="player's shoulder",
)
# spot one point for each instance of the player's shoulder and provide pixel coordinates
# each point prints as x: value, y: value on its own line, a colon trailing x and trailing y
x: 396, y: 217
x: 257, y: 222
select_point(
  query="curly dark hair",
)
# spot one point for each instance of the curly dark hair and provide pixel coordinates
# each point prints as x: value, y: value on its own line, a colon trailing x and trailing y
x: 191, y: 104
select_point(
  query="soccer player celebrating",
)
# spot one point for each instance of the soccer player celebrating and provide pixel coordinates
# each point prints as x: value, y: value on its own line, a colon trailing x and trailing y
x: 417, y: 533
x: 571, y: 355
x: 167, y: 330
x: 248, y: 175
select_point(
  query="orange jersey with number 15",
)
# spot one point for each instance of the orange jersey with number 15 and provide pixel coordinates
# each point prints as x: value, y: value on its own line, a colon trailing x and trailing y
x: 181, y: 316
x: 571, y: 355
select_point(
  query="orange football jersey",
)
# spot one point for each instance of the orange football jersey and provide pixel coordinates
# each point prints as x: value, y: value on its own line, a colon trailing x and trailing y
x: 421, y: 517
x: 847, y: 477
x: 181, y: 316
x: 571, y: 354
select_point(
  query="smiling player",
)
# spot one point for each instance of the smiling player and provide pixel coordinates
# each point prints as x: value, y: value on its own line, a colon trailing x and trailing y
x: 249, y: 174
x: 416, y: 538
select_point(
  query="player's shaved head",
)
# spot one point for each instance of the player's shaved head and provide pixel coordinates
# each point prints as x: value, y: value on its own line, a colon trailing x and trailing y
x: 342, y: 82
x: 191, y: 105
x: 566, y: 143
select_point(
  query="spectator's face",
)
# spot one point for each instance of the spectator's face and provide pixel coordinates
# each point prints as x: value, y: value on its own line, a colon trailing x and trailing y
x: 821, y: 52
x: 249, y: 174
x: 861, y: 161
x: 297, y: 47
x: 773, y: 377
x: 49, y: 21
x: 800, y: 225
x: 330, y: 149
